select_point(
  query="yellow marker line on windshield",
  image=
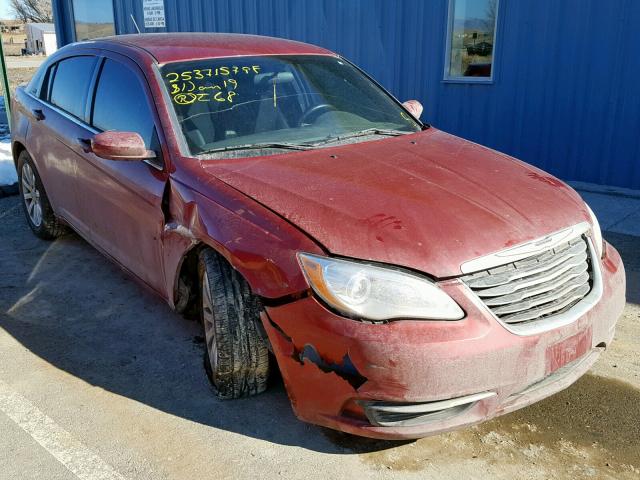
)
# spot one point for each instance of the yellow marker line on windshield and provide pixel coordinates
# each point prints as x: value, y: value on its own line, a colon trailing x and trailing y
x: 274, y: 95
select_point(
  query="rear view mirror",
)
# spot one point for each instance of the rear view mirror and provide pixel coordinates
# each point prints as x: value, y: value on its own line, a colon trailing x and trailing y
x: 125, y: 146
x: 414, y: 106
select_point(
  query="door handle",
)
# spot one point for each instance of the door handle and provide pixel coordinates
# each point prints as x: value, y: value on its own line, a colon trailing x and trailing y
x: 38, y: 114
x: 85, y: 144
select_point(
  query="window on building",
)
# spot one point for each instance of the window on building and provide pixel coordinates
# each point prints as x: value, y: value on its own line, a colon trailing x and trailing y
x: 471, y: 40
x: 120, y: 102
x: 71, y: 83
x: 93, y: 18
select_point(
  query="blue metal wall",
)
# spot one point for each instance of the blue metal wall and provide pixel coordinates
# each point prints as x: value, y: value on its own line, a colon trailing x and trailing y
x: 565, y: 95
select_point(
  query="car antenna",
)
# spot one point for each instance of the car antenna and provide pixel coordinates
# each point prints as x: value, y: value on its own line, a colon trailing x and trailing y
x: 134, y: 23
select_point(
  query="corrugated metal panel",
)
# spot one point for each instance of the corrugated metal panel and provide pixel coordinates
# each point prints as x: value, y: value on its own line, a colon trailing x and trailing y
x: 63, y: 21
x: 564, y: 97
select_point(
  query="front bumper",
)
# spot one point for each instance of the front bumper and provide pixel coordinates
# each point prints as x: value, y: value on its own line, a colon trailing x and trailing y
x: 337, y: 370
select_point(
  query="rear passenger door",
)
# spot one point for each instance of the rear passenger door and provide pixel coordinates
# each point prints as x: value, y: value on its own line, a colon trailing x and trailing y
x: 58, y: 119
x: 122, y: 200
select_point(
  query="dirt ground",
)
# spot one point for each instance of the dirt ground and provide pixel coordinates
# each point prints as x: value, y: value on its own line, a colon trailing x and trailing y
x: 110, y: 364
x: 18, y: 76
x: 20, y: 70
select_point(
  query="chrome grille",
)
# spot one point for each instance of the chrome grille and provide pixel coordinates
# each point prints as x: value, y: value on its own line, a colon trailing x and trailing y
x: 538, y: 286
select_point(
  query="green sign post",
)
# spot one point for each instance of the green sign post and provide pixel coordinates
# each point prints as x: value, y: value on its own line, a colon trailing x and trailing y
x: 5, y: 82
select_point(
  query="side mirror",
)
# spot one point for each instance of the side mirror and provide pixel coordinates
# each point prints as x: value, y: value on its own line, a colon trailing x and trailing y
x: 127, y: 146
x: 414, y: 106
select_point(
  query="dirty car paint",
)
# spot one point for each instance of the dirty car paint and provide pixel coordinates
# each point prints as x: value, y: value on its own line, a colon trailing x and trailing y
x: 426, y: 201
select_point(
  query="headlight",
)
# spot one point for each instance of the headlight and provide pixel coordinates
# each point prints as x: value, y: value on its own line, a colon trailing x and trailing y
x: 597, y: 233
x: 376, y: 293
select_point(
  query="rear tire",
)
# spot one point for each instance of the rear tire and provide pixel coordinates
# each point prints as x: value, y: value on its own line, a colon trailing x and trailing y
x: 236, y: 353
x: 35, y: 203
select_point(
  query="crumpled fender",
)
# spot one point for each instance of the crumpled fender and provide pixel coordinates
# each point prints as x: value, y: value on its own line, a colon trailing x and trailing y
x: 258, y: 243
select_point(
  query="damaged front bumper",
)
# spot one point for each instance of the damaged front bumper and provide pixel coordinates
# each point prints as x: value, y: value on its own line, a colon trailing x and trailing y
x: 410, y: 379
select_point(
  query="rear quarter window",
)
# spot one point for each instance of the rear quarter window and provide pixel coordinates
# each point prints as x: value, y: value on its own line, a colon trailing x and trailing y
x: 71, y: 84
x: 33, y: 87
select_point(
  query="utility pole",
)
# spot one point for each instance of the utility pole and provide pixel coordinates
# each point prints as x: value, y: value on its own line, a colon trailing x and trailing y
x: 5, y: 82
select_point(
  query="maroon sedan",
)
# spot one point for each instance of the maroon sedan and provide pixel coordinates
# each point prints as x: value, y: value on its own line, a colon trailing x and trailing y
x: 406, y: 281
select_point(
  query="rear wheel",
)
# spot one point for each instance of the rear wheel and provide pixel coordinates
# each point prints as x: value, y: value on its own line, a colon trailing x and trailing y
x: 35, y: 202
x: 236, y: 354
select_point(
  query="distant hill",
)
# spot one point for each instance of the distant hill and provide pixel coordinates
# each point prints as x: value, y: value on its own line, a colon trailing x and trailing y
x: 473, y: 24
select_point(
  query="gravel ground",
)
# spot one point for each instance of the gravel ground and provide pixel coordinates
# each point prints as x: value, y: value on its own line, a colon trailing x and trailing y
x: 101, y: 359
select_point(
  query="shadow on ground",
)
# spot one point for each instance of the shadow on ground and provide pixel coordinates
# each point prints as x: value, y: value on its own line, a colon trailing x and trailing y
x: 629, y: 248
x: 70, y: 306
x: 590, y: 430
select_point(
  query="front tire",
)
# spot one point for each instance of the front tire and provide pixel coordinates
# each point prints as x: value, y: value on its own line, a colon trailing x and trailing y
x: 236, y: 353
x: 35, y: 202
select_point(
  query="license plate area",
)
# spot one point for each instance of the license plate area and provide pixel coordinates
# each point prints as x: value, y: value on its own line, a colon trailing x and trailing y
x: 568, y: 350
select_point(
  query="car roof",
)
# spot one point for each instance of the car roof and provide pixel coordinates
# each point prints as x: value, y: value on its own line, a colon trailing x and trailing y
x: 173, y: 47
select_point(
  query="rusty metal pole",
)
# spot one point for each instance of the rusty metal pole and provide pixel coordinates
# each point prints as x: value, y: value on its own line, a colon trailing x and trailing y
x: 5, y: 83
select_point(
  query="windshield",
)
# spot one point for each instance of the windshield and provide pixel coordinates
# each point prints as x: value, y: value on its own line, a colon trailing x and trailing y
x: 278, y: 102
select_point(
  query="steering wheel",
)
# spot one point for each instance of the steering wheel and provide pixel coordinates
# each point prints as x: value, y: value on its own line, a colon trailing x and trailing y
x: 314, y: 112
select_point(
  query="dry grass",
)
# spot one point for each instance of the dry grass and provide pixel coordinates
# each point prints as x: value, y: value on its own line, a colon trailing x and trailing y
x: 18, y: 76
x: 13, y: 43
x: 12, y: 50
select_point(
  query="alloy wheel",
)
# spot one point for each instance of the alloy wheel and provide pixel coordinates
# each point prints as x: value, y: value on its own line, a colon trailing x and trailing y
x: 31, y: 195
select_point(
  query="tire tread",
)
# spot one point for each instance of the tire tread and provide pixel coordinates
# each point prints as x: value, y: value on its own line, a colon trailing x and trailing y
x: 243, y: 355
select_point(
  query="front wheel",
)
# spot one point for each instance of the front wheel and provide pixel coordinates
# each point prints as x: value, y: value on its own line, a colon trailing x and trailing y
x: 35, y: 202
x: 236, y: 354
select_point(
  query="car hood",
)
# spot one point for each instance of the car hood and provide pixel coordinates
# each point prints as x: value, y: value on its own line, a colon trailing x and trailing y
x: 428, y: 201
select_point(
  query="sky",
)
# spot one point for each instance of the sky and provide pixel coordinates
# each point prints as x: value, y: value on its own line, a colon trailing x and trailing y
x: 472, y: 8
x: 5, y: 12
x: 98, y: 11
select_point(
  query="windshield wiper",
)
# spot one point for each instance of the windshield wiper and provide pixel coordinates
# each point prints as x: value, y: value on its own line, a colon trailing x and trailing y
x: 361, y: 133
x: 258, y: 146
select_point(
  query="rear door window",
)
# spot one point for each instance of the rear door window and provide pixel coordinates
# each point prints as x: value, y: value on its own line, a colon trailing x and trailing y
x: 120, y: 102
x: 71, y: 84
